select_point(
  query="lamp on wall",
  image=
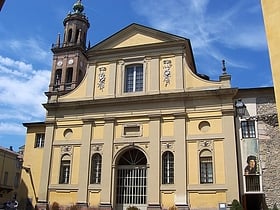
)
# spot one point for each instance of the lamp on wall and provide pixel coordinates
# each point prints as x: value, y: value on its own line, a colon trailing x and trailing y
x: 240, y: 108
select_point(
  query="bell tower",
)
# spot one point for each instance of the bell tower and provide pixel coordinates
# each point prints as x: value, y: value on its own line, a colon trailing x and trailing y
x: 69, y: 57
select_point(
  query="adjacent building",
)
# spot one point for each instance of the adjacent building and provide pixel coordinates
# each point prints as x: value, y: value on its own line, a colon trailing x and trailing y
x: 10, y: 173
x: 131, y: 123
x: 257, y: 142
x: 271, y: 15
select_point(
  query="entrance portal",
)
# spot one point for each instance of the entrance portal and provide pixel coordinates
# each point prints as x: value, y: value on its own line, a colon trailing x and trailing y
x: 132, y: 180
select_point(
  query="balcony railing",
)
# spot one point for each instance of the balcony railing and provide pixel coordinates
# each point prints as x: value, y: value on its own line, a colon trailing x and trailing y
x: 252, y: 183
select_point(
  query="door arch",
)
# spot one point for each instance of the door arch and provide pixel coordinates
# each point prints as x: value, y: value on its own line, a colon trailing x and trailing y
x: 131, y: 180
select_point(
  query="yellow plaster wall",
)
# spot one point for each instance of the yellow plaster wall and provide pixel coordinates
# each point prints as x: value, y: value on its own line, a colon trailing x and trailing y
x: 63, y: 197
x: 75, y: 166
x: 94, y: 199
x: 76, y: 135
x: 219, y: 164
x: 8, y: 163
x: 167, y: 199
x: 192, y: 81
x: 119, y: 130
x: 142, y: 122
x: 206, y: 199
x: 78, y: 92
x: 193, y: 176
x: 167, y: 128
x: 55, y: 165
x: 98, y: 132
x: 33, y: 160
x: 193, y: 126
x: 145, y: 127
x: 137, y: 39
x: 271, y: 15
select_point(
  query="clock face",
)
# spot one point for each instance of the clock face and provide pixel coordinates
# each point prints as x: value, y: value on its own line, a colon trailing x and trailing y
x: 59, y: 63
x: 70, y: 61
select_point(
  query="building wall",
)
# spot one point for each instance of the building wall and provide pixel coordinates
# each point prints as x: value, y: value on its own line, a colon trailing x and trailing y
x: 269, y: 146
x: 261, y: 108
x: 177, y: 112
x: 271, y: 15
x: 10, y: 171
x: 32, y: 163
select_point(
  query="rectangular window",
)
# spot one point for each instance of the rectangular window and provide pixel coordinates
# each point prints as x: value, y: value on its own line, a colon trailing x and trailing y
x: 134, y: 78
x: 6, y: 175
x: 248, y: 129
x: 168, y: 168
x: 132, y: 130
x: 206, y: 170
x: 17, y: 180
x: 40, y: 140
x: 64, y: 172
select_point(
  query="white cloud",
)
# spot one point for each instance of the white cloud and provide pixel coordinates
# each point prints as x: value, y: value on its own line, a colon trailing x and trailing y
x: 212, y: 31
x: 21, y: 93
x: 27, y: 50
x: 12, y: 128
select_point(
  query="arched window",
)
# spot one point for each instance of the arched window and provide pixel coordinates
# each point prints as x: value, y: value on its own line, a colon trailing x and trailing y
x: 64, y: 177
x: 167, y: 168
x: 69, y: 75
x: 77, y: 36
x: 206, y: 167
x: 133, y: 78
x: 69, y: 35
x: 95, y: 176
x: 57, y: 79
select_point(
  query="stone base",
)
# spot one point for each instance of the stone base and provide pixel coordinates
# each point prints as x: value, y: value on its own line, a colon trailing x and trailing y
x: 42, y: 205
x: 153, y: 207
x: 182, y: 207
x: 105, y: 206
x: 82, y: 206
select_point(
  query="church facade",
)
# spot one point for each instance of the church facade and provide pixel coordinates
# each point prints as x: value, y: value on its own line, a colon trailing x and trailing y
x: 131, y: 123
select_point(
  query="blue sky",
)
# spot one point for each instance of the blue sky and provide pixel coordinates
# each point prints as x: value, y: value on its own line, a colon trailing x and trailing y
x: 232, y: 30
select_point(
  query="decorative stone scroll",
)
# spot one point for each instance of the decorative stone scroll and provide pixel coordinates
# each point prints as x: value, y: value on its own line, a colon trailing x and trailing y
x: 97, y: 147
x: 167, y: 71
x: 167, y: 146
x: 206, y: 144
x: 66, y: 149
x: 101, y: 78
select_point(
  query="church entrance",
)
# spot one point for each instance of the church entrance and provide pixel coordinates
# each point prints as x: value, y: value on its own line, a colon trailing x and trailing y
x: 131, y: 183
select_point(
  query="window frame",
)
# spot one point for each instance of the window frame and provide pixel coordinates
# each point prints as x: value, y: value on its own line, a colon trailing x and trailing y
x: 65, y: 169
x: 39, y: 140
x: 96, y: 169
x: 168, y: 171
x: 135, y: 78
x: 248, y: 129
x: 206, y: 167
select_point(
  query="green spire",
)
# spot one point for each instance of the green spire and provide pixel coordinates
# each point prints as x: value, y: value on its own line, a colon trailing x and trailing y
x: 78, y: 7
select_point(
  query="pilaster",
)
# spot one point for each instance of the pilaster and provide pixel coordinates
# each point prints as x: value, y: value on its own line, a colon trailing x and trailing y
x: 180, y: 161
x: 84, y: 163
x: 46, y: 166
x: 106, y: 173
x: 154, y: 166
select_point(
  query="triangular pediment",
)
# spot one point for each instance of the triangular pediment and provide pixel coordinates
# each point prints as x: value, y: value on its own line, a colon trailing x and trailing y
x: 135, y: 35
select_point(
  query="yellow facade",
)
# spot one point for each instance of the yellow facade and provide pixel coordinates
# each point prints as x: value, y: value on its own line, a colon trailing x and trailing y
x: 271, y: 15
x: 10, y: 172
x: 111, y: 147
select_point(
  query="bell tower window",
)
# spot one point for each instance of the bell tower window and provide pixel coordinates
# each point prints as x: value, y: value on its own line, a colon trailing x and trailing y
x: 69, y: 35
x: 69, y: 75
x: 77, y: 36
x: 57, y: 78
